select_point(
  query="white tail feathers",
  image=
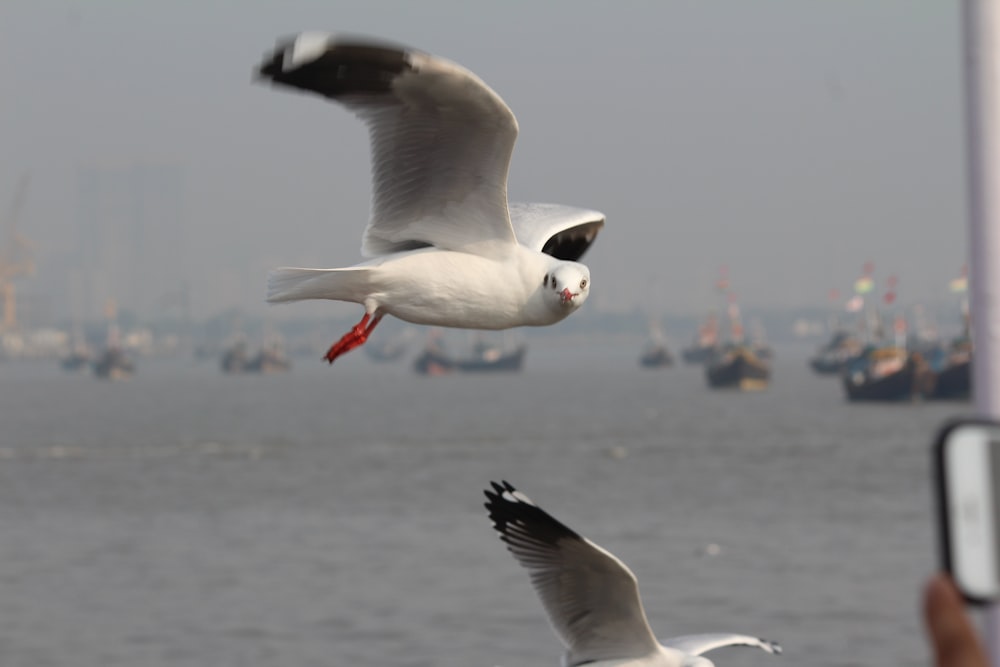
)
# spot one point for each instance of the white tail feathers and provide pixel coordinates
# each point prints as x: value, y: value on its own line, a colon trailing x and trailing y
x: 290, y: 284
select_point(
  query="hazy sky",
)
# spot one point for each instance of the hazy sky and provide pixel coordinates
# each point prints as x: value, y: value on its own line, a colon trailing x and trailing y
x: 788, y: 140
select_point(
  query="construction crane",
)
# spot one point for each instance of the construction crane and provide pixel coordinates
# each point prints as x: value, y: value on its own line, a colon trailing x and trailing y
x: 17, y: 256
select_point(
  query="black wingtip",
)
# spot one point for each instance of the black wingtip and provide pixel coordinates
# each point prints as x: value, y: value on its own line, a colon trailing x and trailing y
x: 498, y: 489
x: 495, y: 501
x: 268, y: 69
x: 508, y: 507
x: 493, y: 497
x: 271, y: 65
x: 339, y: 66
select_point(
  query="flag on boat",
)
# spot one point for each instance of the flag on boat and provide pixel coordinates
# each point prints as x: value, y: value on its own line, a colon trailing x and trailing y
x: 864, y: 284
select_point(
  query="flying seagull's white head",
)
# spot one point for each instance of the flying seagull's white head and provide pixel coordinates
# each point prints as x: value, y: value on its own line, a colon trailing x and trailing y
x: 566, y: 286
x: 444, y: 246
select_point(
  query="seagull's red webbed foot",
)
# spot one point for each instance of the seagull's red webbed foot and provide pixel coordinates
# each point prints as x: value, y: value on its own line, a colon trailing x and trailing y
x: 356, y: 337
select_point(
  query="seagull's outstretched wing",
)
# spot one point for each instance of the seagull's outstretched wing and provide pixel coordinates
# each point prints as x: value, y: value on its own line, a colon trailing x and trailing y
x: 441, y: 139
x: 591, y: 597
x: 564, y: 232
x: 698, y: 644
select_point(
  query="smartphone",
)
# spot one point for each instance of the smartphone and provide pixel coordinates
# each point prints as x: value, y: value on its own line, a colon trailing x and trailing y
x: 967, y: 471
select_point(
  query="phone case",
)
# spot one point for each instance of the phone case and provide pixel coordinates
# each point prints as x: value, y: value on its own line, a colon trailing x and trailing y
x: 941, y: 510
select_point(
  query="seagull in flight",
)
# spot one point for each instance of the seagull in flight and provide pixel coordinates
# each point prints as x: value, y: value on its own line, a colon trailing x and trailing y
x: 591, y: 597
x: 443, y: 246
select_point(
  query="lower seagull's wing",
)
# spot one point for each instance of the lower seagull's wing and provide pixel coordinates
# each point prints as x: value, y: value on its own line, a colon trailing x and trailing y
x: 591, y: 597
x: 702, y: 643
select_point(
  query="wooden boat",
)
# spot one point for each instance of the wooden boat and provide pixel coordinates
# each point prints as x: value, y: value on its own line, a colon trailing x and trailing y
x: 656, y: 353
x: 887, y: 374
x: 113, y: 364
x: 831, y: 358
x: 484, y: 357
x: 737, y: 367
x: 270, y: 359
x: 953, y: 378
x: 954, y: 374
x: 705, y: 344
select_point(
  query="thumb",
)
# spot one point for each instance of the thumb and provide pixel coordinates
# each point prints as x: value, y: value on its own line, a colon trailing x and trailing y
x: 952, y: 636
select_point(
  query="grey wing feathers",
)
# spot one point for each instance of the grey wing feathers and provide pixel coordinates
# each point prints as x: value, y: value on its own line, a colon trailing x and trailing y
x: 702, y: 643
x: 441, y: 139
x: 591, y: 598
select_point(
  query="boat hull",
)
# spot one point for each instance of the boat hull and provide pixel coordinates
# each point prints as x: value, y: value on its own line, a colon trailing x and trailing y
x: 953, y: 383
x: 113, y: 365
x: 433, y: 362
x: 823, y: 366
x: 893, y: 388
x: 912, y: 381
x: 659, y: 357
x: 699, y: 354
x: 740, y: 371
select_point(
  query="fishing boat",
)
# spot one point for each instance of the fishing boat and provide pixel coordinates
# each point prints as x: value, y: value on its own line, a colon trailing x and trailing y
x: 705, y: 344
x: 953, y: 381
x: 113, y: 363
x: 484, y: 357
x: 656, y: 356
x: 655, y: 352
x: 270, y: 359
x: 888, y: 369
x: 737, y: 366
x: 831, y: 358
x: 235, y: 357
x: 887, y: 373
x: 954, y: 372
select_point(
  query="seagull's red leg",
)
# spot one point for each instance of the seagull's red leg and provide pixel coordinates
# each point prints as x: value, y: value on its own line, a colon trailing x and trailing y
x: 356, y: 337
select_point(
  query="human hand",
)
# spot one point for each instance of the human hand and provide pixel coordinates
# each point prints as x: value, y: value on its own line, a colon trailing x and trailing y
x: 952, y: 637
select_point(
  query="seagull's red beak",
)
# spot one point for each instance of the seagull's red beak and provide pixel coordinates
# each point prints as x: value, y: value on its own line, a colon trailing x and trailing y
x: 566, y: 296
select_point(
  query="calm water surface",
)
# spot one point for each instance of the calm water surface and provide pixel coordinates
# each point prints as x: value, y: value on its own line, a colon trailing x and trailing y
x: 333, y: 516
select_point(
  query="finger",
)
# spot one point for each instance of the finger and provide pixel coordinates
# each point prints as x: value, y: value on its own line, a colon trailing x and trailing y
x: 953, y: 638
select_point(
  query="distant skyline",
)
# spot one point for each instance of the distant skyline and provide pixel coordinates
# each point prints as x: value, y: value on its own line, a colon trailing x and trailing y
x: 790, y: 142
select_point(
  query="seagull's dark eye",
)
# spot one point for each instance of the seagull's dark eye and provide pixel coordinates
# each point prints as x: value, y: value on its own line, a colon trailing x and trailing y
x: 583, y: 283
x: 545, y: 280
